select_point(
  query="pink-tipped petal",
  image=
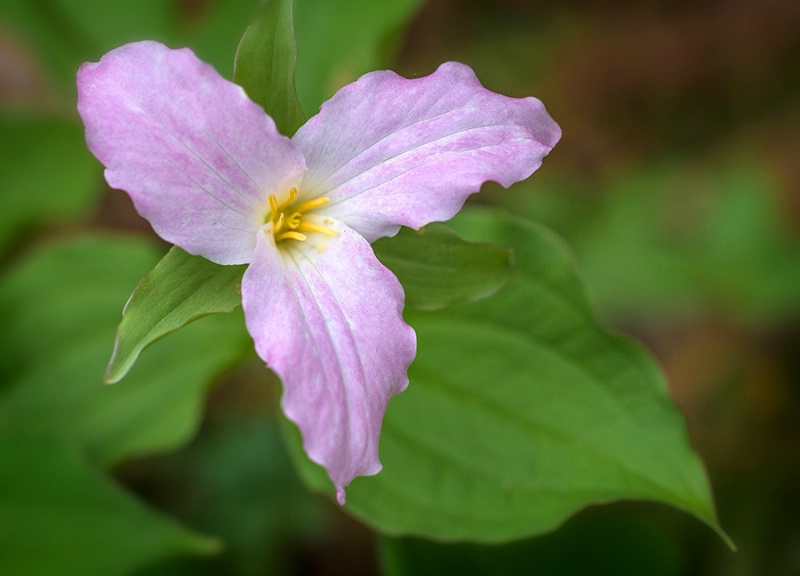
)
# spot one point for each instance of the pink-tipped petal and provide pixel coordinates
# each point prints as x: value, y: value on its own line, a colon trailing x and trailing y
x: 389, y: 151
x: 326, y: 316
x: 196, y: 156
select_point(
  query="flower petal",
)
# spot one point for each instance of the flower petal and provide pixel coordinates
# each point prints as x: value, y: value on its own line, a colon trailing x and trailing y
x: 326, y: 316
x: 197, y: 157
x: 389, y: 151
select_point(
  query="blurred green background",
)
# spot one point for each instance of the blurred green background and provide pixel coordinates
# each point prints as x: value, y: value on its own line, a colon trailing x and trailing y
x: 676, y: 183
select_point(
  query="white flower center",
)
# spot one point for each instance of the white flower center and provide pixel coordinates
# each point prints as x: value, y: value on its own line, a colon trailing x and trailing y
x: 288, y: 221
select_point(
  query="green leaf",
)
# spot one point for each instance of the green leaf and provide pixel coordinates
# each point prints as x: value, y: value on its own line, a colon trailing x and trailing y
x: 437, y: 268
x: 32, y: 193
x: 60, y: 516
x: 265, y: 63
x: 179, y: 290
x: 339, y: 40
x: 521, y: 411
x: 59, y: 311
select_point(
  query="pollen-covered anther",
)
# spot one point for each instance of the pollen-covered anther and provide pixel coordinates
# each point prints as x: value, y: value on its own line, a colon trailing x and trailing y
x: 291, y: 227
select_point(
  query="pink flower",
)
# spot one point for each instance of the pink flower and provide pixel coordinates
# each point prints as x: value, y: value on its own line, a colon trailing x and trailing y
x: 207, y: 167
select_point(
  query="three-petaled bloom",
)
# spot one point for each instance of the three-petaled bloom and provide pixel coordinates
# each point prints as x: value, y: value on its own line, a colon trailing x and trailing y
x: 209, y: 170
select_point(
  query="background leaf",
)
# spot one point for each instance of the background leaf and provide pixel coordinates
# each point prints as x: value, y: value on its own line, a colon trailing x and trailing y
x: 521, y: 411
x: 437, y: 268
x: 214, y: 29
x: 65, y: 33
x: 56, y: 343
x: 236, y: 480
x: 265, y: 63
x: 32, y: 192
x: 179, y: 290
x: 677, y: 239
x: 58, y: 515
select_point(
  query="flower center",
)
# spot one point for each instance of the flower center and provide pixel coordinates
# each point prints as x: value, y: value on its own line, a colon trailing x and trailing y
x: 288, y: 222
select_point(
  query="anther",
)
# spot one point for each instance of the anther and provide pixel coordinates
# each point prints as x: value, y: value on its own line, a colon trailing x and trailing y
x: 311, y: 204
x: 310, y: 227
x: 278, y: 225
x: 291, y: 225
x: 294, y: 220
x: 273, y: 205
x: 290, y: 234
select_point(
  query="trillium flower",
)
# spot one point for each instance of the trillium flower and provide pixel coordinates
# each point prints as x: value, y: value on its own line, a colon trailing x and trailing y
x: 209, y: 170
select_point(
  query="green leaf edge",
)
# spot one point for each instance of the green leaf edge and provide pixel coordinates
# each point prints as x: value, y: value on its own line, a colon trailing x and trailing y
x: 270, y: 39
x: 504, y: 259
x: 149, y: 293
x: 711, y: 520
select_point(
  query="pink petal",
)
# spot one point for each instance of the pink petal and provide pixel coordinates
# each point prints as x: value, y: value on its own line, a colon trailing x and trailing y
x: 197, y: 157
x: 327, y: 318
x: 389, y: 151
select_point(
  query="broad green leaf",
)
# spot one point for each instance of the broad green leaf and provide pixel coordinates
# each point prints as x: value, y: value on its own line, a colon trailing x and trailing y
x: 265, y: 63
x: 521, y: 411
x: 339, y: 40
x: 59, y: 310
x: 437, y: 268
x: 179, y: 290
x: 60, y: 516
x: 46, y: 172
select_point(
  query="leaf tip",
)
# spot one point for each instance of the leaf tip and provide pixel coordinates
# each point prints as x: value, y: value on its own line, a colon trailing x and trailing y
x: 112, y: 376
x: 116, y: 370
x: 714, y: 525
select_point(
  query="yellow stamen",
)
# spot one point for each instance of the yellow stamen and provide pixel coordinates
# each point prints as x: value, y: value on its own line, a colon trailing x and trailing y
x: 278, y: 225
x: 311, y: 204
x: 310, y: 227
x: 294, y: 220
x: 290, y: 234
x: 289, y: 225
x: 290, y: 199
x: 273, y: 205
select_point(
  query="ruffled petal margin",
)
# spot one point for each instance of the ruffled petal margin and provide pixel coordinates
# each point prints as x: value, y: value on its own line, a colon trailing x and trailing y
x: 196, y: 155
x: 391, y: 151
x: 326, y: 316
